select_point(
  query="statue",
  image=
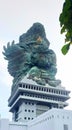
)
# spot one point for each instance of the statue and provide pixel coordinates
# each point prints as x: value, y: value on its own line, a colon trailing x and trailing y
x: 32, y: 57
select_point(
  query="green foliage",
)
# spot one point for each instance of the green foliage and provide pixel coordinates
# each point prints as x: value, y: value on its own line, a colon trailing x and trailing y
x: 65, y: 48
x: 66, y: 24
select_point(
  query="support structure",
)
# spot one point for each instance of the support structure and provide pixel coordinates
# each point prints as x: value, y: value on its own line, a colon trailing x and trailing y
x: 28, y: 101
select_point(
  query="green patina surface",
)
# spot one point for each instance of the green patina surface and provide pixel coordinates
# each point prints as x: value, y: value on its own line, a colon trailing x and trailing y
x: 32, y: 56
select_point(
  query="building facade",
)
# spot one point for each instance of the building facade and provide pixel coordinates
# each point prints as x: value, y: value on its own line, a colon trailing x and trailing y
x: 54, y: 119
x: 27, y: 101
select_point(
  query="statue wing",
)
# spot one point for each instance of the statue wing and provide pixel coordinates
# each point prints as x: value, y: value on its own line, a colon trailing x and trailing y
x: 14, y: 54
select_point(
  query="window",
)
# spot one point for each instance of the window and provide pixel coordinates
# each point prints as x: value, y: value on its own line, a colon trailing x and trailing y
x: 23, y: 86
x: 25, y: 118
x: 51, y: 91
x: 42, y: 89
x: 54, y: 91
x: 39, y: 88
x: 25, y: 110
x: 47, y: 90
x: 67, y: 117
x: 20, y: 85
x: 28, y: 110
x: 43, y: 97
x: 59, y: 92
x: 26, y: 86
x: 34, y: 87
x: 28, y: 118
x: 38, y: 96
x: 52, y: 116
x: 65, y: 127
x: 32, y: 110
x: 29, y: 86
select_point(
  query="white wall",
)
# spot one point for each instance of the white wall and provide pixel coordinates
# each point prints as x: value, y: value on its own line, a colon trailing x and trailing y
x: 17, y: 126
x: 63, y: 117
x: 54, y: 119
x: 6, y: 125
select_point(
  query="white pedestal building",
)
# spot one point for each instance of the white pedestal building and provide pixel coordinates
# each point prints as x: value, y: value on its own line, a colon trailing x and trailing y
x: 38, y: 107
x: 29, y: 100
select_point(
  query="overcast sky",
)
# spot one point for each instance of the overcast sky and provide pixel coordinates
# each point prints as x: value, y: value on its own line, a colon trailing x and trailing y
x: 16, y: 17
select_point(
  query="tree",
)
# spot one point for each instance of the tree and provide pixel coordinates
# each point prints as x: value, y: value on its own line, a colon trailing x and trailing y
x: 66, y: 25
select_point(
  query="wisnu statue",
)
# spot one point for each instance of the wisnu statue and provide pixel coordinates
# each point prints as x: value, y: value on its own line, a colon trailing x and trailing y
x: 32, y: 58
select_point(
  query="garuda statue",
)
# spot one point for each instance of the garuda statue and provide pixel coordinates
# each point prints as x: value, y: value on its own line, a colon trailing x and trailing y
x: 32, y: 57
